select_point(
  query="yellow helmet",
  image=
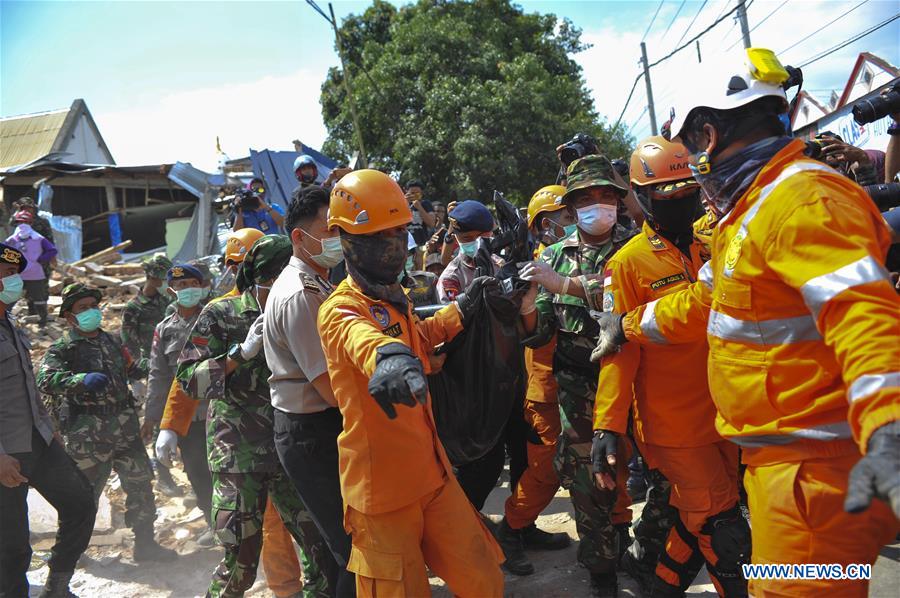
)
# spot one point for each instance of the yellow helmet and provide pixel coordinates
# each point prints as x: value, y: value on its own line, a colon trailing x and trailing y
x: 367, y: 201
x: 545, y: 199
x: 239, y: 243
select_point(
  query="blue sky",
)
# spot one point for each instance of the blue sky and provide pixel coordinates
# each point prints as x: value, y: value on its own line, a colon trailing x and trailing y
x: 162, y: 79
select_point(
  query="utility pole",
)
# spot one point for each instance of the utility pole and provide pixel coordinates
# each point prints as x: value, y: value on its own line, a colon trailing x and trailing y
x: 742, y: 17
x: 348, y: 89
x: 650, y: 106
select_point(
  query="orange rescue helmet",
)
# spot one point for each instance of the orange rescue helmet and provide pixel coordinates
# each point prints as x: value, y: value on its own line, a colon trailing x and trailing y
x: 661, y: 164
x: 545, y: 199
x: 367, y: 201
x: 239, y: 243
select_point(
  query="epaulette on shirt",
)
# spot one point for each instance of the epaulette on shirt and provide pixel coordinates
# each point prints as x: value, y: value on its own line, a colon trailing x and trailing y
x: 310, y: 283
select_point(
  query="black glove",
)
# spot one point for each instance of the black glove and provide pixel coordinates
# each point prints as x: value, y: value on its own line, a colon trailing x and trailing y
x: 604, y: 446
x: 398, y: 378
x: 95, y: 381
x: 469, y: 300
x: 877, y: 474
x: 611, y: 336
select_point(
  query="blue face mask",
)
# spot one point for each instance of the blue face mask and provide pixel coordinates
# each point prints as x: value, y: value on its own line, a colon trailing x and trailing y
x: 469, y: 249
x: 189, y: 297
x: 12, y: 289
x: 206, y: 291
x: 89, y: 320
x: 570, y: 228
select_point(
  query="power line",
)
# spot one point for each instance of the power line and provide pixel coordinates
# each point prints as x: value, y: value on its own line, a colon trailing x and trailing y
x: 627, y: 101
x: 856, y: 37
x: 677, y: 12
x: 653, y: 20
x: 643, y: 112
x: 766, y: 18
x: 820, y: 29
x: 694, y: 20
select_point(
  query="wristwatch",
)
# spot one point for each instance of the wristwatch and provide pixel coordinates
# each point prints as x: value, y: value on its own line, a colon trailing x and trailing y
x: 234, y: 354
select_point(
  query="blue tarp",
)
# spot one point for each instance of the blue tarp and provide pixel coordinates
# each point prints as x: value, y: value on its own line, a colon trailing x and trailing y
x: 276, y: 169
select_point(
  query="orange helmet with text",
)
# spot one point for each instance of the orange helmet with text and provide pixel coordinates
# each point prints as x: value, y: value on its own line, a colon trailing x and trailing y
x: 661, y: 164
x: 239, y: 243
x: 367, y: 201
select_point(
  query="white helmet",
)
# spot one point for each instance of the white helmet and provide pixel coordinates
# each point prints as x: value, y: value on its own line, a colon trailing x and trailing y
x: 760, y: 76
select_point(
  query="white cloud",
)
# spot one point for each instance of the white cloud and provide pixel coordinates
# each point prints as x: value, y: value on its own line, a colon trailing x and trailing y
x: 267, y: 113
x: 611, y: 65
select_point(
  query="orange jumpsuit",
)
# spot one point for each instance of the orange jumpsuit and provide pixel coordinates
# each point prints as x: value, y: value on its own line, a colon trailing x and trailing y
x: 674, y: 416
x: 801, y: 320
x: 403, y: 507
x: 539, y: 483
x: 278, y: 557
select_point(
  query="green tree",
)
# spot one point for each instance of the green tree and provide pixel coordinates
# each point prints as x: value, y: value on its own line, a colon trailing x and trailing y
x: 466, y: 96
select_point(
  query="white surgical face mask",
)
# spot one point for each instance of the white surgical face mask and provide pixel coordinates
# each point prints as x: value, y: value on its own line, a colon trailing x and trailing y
x: 331, y: 255
x: 597, y: 219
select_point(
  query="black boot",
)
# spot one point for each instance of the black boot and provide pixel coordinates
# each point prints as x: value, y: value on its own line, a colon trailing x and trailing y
x: 146, y: 548
x: 57, y: 585
x: 642, y: 570
x: 510, y: 541
x: 661, y: 589
x: 538, y: 539
x: 604, y: 586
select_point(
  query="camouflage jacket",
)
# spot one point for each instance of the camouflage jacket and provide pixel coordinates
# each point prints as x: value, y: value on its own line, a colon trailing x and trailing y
x: 239, y: 432
x: 139, y: 321
x: 73, y: 356
x: 569, y: 315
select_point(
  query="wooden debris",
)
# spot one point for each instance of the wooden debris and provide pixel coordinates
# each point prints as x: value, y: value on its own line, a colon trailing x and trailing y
x: 104, y: 281
x: 97, y: 257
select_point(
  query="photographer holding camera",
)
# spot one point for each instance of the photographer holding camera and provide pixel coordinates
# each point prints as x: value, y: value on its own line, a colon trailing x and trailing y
x: 252, y: 211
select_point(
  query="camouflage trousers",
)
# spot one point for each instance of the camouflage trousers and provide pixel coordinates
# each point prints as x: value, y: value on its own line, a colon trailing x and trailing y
x: 596, y: 511
x: 100, y: 444
x: 657, y: 518
x: 238, y: 506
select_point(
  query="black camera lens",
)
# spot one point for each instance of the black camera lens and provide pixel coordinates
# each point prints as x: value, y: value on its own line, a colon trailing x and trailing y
x: 867, y: 111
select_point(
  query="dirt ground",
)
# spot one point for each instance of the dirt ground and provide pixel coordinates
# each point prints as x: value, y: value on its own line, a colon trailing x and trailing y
x: 108, y: 571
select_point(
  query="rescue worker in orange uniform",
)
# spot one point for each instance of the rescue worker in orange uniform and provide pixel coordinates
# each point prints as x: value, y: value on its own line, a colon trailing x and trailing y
x: 674, y: 416
x: 548, y: 222
x: 403, y: 507
x: 278, y: 556
x: 801, y: 320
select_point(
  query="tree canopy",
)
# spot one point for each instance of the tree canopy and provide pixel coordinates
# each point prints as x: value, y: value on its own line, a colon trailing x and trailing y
x: 467, y: 97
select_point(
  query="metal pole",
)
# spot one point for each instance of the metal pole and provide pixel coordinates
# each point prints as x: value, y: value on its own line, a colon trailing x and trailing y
x: 348, y: 89
x: 742, y: 17
x: 650, y: 106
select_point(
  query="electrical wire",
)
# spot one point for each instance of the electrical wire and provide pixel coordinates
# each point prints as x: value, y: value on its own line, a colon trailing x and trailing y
x: 653, y: 20
x: 669, y: 26
x: 820, y: 29
x: 640, y: 116
x: 694, y: 20
x: 766, y: 18
x: 627, y: 101
x: 849, y: 41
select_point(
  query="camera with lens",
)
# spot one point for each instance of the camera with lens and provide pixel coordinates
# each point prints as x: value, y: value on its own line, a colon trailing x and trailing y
x: 885, y: 195
x: 246, y: 199
x: 867, y: 111
x: 814, y: 148
x: 579, y: 146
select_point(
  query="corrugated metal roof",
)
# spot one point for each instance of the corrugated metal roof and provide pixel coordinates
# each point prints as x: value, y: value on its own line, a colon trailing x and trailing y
x: 29, y: 137
x: 276, y: 169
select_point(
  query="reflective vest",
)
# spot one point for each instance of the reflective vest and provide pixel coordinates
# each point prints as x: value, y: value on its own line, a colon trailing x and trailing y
x: 667, y: 383
x: 800, y: 315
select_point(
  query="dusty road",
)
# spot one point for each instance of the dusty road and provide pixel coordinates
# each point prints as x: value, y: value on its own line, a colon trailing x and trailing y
x: 109, y: 572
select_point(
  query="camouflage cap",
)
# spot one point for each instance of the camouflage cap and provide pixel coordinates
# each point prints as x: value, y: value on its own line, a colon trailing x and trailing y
x: 74, y: 292
x: 265, y: 261
x: 156, y: 266
x: 589, y: 171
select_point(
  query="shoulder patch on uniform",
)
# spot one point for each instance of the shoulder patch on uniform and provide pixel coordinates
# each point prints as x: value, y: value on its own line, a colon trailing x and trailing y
x: 656, y: 242
x: 310, y: 283
x: 663, y: 282
x: 608, y: 301
x: 393, y: 331
x: 381, y: 315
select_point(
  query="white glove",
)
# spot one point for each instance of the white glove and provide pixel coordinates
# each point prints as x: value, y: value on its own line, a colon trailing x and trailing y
x: 544, y: 275
x: 254, y: 342
x: 166, y: 447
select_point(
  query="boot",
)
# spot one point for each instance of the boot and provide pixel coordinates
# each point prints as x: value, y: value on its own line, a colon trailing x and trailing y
x: 57, y: 585
x: 604, y: 586
x: 538, y: 539
x: 165, y: 483
x: 640, y: 570
x: 623, y: 538
x: 661, y: 589
x: 510, y: 541
x: 146, y: 548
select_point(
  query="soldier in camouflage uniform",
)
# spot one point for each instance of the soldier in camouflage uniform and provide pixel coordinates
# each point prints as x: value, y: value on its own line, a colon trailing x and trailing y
x: 90, y: 369
x: 570, y: 273
x: 222, y: 361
